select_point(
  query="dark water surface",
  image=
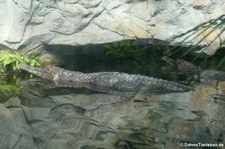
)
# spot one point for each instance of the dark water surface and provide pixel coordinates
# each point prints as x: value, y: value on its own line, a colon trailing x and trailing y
x: 33, y: 117
x: 79, y: 118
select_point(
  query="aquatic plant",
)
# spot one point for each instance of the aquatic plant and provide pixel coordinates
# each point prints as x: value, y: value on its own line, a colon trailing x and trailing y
x: 10, y: 61
x: 9, y: 88
x: 10, y: 77
x: 143, y: 59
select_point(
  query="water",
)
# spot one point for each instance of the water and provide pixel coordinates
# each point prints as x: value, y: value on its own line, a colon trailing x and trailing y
x: 80, y: 118
x: 32, y: 116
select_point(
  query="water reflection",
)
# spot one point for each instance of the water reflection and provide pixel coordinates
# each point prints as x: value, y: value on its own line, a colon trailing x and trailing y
x: 70, y: 118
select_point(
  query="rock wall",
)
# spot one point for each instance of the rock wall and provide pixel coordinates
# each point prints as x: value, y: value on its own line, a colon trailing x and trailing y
x: 31, y: 23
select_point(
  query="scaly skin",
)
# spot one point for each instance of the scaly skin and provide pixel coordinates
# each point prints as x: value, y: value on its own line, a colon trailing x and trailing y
x: 108, y: 82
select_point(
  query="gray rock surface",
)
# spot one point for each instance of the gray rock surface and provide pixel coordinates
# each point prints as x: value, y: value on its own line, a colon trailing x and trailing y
x: 28, y: 24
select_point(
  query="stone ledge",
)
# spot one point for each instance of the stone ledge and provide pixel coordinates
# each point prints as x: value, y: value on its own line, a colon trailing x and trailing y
x: 73, y: 22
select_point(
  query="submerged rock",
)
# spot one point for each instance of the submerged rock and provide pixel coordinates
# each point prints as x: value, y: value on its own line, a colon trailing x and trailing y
x: 72, y: 120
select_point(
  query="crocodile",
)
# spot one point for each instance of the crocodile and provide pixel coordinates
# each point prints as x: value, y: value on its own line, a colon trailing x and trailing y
x: 107, y: 82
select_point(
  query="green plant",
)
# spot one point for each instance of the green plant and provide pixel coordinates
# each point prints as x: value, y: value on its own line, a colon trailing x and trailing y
x: 9, y: 88
x: 11, y: 60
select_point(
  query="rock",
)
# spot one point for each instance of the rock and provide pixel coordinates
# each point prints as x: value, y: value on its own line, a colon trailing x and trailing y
x: 31, y: 24
x: 13, y: 132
